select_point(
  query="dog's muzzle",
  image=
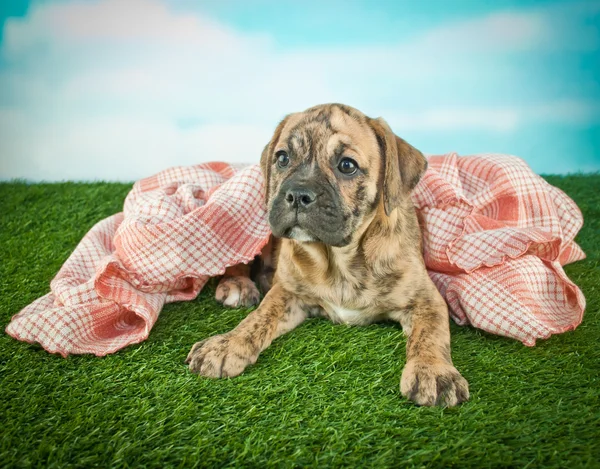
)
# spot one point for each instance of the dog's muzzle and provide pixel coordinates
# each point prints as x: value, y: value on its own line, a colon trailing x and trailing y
x: 305, y: 211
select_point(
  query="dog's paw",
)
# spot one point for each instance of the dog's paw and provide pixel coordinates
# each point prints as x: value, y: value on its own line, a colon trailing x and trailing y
x: 221, y: 356
x: 433, y: 384
x: 237, y: 291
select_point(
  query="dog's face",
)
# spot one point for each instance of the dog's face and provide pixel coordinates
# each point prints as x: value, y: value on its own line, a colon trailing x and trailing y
x: 327, y: 170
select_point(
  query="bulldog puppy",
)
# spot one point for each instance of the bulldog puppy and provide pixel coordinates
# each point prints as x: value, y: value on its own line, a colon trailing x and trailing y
x: 337, y: 187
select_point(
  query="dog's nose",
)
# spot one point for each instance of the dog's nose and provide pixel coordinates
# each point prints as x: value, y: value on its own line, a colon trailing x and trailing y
x: 300, y: 197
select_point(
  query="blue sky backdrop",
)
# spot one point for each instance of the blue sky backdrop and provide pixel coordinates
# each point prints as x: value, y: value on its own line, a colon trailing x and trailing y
x: 120, y: 89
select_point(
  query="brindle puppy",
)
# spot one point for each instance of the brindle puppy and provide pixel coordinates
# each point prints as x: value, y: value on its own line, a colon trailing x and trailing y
x: 338, y: 193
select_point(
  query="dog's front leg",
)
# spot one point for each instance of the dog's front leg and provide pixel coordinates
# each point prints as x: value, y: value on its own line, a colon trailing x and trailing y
x: 227, y: 355
x: 429, y: 377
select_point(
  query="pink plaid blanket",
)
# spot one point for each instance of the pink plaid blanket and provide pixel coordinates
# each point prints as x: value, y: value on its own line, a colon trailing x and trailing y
x: 495, y: 238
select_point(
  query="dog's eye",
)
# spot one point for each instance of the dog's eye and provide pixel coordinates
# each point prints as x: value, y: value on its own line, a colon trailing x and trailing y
x: 282, y: 158
x: 347, y: 166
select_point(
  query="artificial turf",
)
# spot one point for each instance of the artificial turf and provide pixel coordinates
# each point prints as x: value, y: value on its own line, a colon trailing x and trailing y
x: 323, y: 395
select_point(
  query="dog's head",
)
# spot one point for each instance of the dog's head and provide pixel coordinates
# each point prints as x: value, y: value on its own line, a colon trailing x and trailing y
x: 329, y: 168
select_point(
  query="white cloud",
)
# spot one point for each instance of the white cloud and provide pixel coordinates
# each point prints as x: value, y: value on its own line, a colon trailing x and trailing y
x: 495, y: 119
x: 112, y: 148
x: 100, y: 90
x: 148, y: 21
x: 557, y: 27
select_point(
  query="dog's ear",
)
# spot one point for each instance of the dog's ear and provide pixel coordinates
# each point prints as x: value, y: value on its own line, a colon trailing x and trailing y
x: 266, y: 161
x: 403, y: 164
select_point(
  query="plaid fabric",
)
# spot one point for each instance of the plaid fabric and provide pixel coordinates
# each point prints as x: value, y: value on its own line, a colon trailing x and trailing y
x: 495, y: 238
x: 178, y: 228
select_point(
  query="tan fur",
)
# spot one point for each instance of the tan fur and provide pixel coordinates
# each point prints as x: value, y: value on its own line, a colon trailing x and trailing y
x: 378, y: 272
x: 235, y: 288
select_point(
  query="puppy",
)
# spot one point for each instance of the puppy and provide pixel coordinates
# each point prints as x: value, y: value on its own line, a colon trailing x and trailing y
x: 337, y: 187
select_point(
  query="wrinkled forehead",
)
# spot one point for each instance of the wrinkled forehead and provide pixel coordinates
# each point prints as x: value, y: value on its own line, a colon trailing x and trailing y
x: 324, y: 132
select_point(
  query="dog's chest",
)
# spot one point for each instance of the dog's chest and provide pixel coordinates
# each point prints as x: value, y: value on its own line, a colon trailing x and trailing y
x: 352, y: 300
x: 346, y: 295
x: 343, y: 315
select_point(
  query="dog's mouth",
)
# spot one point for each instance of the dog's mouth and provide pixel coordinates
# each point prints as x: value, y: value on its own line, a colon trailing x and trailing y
x: 315, y: 226
x: 298, y: 233
x: 304, y: 235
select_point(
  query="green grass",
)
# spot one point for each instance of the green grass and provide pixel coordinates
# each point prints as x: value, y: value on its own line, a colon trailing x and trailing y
x: 323, y: 395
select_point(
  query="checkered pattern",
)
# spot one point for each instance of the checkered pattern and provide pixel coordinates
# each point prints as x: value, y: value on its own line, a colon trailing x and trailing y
x: 178, y: 228
x: 495, y: 238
